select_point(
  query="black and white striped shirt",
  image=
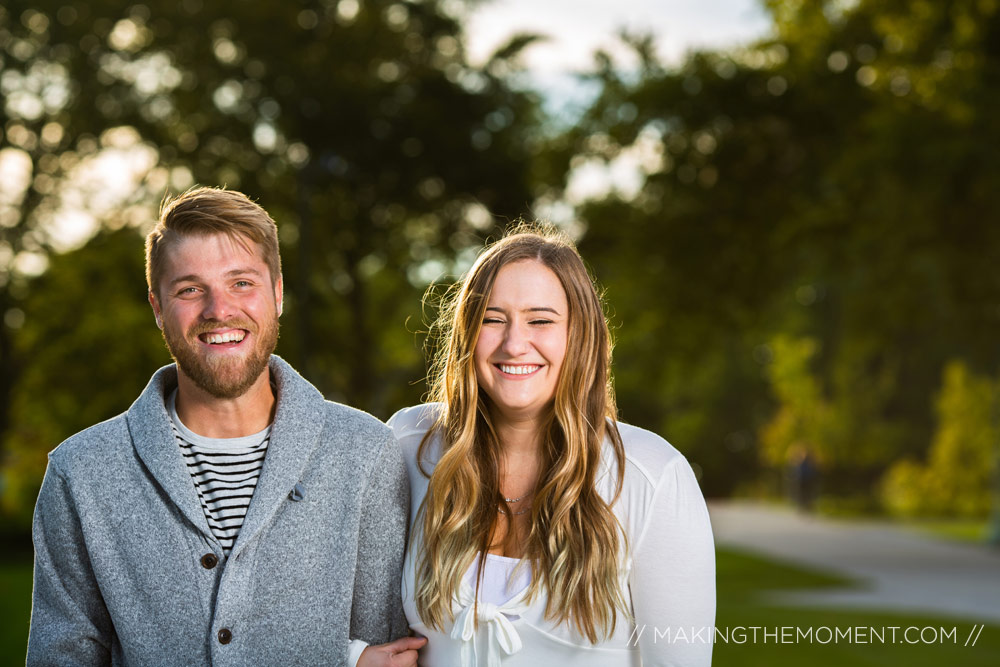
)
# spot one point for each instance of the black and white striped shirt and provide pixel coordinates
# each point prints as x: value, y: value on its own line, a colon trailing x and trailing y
x: 224, y: 471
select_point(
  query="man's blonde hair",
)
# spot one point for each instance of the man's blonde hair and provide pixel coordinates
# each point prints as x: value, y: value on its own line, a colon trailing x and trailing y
x: 202, y: 211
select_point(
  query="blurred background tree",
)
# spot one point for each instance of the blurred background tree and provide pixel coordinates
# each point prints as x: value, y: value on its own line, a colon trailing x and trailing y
x: 359, y: 126
x: 837, y: 184
x: 955, y: 481
x: 86, y: 346
x: 802, y: 252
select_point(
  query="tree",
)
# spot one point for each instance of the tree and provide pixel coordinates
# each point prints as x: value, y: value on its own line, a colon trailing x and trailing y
x: 834, y: 183
x: 88, y: 341
x: 358, y: 125
x: 956, y: 479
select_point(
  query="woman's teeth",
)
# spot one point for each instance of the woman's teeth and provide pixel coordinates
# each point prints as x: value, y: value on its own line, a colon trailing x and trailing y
x: 518, y: 370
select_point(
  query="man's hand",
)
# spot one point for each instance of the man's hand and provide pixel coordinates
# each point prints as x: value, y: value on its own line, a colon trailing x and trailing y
x: 400, y: 653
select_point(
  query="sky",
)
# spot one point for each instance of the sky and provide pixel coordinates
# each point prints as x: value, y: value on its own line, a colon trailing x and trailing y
x: 578, y: 27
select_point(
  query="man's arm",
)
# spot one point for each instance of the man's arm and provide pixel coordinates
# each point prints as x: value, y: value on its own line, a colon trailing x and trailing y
x: 69, y: 620
x: 377, y: 614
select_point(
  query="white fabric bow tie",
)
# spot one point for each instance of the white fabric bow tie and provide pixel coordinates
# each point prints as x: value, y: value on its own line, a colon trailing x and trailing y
x: 501, y: 633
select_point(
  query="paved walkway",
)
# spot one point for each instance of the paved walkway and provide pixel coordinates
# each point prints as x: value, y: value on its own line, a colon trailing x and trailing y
x: 897, y: 570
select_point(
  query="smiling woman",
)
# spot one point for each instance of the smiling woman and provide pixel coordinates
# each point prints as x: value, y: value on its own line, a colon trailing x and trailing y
x: 542, y: 527
x: 522, y: 341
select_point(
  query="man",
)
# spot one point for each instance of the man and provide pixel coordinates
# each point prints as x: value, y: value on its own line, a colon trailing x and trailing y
x: 231, y: 516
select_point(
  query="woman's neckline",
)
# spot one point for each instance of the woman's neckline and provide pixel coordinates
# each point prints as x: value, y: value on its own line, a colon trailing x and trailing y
x: 499, y: 557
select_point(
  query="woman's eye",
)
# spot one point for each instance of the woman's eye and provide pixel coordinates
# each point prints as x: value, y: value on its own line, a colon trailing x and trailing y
x: 541, y: 321
x: 492, y: 320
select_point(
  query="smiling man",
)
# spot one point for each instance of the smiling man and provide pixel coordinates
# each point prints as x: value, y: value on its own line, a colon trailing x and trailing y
x: 231, y: 516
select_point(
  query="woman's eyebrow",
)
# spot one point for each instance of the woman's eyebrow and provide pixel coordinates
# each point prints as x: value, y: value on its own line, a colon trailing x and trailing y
x: 532, y: 309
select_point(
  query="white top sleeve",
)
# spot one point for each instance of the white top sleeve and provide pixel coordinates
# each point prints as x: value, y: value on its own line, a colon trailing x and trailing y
x: 672, y: 581
x: 354, y: 650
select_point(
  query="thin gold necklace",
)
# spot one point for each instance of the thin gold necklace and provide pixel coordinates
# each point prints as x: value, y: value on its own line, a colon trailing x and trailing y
x: 516, y: 500
x: 525, y: 510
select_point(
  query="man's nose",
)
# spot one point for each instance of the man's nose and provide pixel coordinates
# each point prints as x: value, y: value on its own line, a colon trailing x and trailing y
x: 218, y: 306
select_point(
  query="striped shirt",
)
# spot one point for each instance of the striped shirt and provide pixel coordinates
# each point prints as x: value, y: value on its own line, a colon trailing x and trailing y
x: 224, y: 471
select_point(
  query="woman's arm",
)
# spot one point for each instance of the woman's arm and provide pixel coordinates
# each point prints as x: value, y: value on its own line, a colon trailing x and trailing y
x: 673, y: 574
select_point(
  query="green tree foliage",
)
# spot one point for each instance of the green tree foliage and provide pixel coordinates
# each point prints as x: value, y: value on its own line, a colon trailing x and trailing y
x: 358, y: 125
x: 837, y: 183
x: 957, y: 477
x: 812, y: 238
x: 88, y: 345
x: 803, y: 417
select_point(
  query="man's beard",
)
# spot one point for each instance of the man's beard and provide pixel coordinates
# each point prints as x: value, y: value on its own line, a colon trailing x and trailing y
x: 223, y: 376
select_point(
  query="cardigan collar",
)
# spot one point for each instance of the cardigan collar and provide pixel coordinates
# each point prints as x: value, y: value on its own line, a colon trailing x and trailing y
x: 295, y: 433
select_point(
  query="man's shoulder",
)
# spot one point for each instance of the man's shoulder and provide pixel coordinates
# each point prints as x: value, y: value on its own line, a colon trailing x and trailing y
x: 349, y: 420
x: 93, y: 446
x: 356, y: 438
x: 300, y: 402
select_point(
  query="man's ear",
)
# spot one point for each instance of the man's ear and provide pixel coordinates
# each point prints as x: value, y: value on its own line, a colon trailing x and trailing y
x: 156, y: 309
x: 279, y: 294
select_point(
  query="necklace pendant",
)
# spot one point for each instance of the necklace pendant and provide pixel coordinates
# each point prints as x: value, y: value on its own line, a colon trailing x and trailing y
x: 524, y: 511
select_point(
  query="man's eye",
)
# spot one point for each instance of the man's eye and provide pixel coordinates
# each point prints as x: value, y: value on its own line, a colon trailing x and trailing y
x: 187, y: 291
x: 243, y: 283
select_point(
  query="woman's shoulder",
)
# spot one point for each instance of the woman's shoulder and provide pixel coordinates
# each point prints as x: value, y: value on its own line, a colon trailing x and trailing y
x: 414, y: 421
x: 659, y: 486
x: 409, y: 426
x: 648, y: 455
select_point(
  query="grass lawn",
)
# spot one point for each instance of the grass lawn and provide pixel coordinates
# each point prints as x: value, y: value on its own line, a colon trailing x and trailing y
x: 15, y: 609
x: 741, y: 578
x: 959, y: 530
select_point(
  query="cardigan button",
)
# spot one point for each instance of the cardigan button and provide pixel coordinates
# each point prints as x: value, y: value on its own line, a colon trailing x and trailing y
x: 208, y: 561
x: 225, y: 636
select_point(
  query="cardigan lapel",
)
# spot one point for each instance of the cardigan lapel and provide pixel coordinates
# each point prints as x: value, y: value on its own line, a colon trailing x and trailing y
x: 154, y: 442
x: 298, y: 423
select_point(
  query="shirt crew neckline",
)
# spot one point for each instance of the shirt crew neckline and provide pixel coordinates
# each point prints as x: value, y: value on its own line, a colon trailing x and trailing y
x: 245, y: 442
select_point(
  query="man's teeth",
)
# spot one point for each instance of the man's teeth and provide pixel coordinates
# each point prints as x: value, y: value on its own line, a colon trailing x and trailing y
x: 228, y: 337
x: 518, y: 370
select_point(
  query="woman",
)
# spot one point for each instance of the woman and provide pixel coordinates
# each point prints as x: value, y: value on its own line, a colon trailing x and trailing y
x: 596, y: 537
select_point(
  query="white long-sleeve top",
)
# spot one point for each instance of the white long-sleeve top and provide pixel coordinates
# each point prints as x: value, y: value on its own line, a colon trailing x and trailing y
x: 669, y: 573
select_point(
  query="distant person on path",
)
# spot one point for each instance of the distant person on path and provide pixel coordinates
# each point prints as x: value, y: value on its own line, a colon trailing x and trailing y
x: 545, y: 531
x: 803, y: 477
x: 231, y: 516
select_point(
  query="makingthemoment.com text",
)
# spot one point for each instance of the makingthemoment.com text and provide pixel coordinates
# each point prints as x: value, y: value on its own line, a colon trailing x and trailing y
x: 855, y: 634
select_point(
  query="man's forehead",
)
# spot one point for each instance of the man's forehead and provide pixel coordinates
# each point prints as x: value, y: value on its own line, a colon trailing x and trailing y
x: 206, y: 243
x: 208, y: 250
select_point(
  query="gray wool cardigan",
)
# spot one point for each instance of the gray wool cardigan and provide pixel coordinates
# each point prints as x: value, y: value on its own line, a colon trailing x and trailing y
x: 121, y: 574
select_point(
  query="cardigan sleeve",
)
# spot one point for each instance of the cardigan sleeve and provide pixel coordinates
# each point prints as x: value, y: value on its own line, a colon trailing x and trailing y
x: 70, y: 623
x: 377, y: 613
x: 672, y: 580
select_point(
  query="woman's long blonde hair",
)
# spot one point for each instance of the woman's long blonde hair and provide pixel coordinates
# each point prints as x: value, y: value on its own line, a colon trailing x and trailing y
x: 574, y: 543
